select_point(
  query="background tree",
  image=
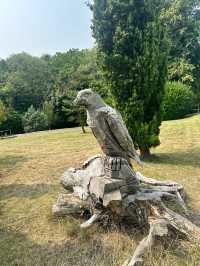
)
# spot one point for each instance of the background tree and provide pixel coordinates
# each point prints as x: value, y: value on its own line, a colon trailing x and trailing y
x: 13, y: 122
x: 132, y: 50
x: 76, y: 115
x: 34, y: 120
x: 48, y: 110
x: 183, y: 20
x: 81, y: 72
x: 46, y: 82
x: 180, y: 70
x: 29, y: 81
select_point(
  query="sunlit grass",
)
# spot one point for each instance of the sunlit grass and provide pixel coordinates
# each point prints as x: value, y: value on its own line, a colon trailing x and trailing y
x: 30, y: 166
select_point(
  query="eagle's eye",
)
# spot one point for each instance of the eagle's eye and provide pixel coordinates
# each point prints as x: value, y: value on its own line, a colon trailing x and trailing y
x: 87, y: 94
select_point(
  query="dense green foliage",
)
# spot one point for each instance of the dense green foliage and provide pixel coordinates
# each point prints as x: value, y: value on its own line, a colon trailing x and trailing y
x: 178, y: 100
x: 34, y: 120
x: 27, y: 81
x: 183, y: 19
x: 48, y: 110
x: 133, y: 49
x: 49, y: 84
x: 12, y: 122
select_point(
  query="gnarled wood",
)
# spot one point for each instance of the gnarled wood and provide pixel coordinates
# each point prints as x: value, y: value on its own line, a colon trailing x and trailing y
x: 159, y: 228
x: 91, y: 221
x: 181, y: 224
x: 69, y: 204
x: 154, y: 182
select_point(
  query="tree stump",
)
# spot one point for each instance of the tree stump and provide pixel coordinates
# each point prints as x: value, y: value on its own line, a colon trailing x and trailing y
x: 109, y: 186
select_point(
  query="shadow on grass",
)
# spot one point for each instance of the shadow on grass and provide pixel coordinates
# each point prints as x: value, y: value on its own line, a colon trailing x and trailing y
x: 175, y: 158
x: 18, y: 249
x: 26, y: 191
x: 9, y: 162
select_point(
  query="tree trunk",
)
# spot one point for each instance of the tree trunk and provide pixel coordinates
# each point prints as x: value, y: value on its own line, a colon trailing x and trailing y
x: 145, y: 152
x: 83, y: 129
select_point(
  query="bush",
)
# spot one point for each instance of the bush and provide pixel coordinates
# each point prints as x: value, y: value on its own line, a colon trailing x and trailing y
x: 12, y: 122
x: 178, y: 100
x: 34, y: 120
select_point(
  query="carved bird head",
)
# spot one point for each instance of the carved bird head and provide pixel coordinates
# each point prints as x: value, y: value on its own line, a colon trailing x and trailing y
x: 88, y: 98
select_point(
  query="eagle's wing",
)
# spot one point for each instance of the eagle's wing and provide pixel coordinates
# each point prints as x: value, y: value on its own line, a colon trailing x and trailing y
x: 120, y: 132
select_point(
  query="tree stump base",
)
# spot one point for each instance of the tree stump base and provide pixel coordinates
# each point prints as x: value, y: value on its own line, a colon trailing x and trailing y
x: 96, y: 195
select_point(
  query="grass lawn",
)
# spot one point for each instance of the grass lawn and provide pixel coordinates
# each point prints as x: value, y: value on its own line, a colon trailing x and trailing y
x: 30, y: 166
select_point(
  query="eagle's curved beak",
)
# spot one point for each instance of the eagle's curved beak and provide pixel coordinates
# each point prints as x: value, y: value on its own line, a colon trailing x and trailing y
x: 79, y: 101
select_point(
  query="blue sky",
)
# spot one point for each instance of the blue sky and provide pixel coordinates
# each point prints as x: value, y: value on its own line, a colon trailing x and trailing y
x: 43, y: 26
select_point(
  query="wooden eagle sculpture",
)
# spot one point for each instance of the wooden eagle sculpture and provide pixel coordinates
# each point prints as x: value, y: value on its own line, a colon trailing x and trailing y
x: 107, y: 126
x: 106, y: 188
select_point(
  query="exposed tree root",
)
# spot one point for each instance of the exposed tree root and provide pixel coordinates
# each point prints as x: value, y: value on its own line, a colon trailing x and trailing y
x: 91, y: 221
x: 154, y: 182
x: 159, y: 228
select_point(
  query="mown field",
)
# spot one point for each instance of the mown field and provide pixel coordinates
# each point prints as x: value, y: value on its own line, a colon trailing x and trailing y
x: 30, y: 166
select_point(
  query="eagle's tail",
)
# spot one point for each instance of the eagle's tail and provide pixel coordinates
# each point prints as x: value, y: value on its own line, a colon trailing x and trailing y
x: 137, y: 159
x: 135, y: 156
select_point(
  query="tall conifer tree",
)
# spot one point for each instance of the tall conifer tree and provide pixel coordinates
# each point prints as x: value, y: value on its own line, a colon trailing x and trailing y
x: 132, y: 50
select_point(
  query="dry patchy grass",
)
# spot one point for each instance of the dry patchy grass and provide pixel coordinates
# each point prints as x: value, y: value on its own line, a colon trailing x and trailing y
x: 30, y: 166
